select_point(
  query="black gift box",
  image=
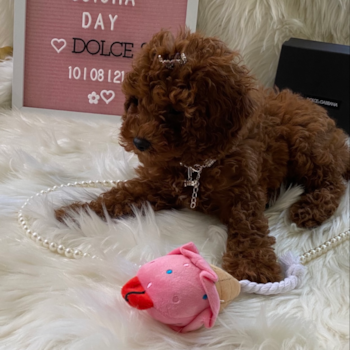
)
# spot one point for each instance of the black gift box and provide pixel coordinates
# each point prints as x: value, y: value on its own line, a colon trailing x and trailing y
x: 320, y: 72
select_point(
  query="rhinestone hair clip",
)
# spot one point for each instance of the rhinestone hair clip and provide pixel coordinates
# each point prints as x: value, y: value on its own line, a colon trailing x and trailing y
x: 171, y: 63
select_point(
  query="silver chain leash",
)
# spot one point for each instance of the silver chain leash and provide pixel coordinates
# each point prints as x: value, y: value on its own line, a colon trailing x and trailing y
x: 195, y: 183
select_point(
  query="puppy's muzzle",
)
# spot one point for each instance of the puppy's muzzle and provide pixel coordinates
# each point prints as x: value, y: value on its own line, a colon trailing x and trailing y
x: 141, y: 144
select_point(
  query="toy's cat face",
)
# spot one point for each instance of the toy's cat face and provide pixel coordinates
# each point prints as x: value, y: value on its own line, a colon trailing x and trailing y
x: 190, y: 112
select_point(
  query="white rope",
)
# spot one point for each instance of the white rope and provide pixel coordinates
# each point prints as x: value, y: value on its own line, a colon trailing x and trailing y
x: 293, y: 268
x: 294, y: 272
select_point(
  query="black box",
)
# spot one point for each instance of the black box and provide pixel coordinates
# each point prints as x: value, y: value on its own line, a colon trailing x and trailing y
x: 320, y: 72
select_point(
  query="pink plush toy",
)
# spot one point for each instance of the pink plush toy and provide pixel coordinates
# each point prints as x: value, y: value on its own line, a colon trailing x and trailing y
x: 181, y: 290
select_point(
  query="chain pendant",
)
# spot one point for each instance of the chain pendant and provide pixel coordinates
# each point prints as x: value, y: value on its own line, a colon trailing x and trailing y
x: 195, y: 183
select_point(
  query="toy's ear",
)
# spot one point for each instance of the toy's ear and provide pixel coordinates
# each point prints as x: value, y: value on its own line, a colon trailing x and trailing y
x: 208, y: 282
x: 188, y: 246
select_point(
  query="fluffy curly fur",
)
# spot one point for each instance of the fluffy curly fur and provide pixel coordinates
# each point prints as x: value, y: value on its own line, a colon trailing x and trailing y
x: 211, y: 108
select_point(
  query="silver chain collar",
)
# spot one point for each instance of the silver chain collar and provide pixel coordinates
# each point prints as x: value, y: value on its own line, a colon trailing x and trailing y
x: 195, y: 183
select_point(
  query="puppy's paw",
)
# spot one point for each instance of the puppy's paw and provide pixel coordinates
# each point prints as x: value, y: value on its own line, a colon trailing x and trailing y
x: 60, y: 214
x: 256, y: 265
x: 65, y: 212
x: 312, y: 210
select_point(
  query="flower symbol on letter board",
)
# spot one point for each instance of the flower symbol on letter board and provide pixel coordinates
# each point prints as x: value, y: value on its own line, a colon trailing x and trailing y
x: 93, y: 98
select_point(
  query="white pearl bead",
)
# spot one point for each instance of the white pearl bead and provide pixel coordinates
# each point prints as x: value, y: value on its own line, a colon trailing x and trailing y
x: 86, y: 255
x: 77, y: 254
x: 62, y: 186
x: 53, y: 246
x: 339, y: 239
x: 29, y: 233
x: 333, y: 240
x: 302, y: 259
x: 61, y: 249
x: 313, y: 252
x: 328, y: 244
x: 323, y: 247
x: 25, y: 227
x: 42, y: 192
x: 34, y: 236
x: 307, y: 256
x: 54, y: 188
x: 46, y: 243
x: 94, y: 257
x: 318, y: 251
x: 39, y: 240
x: 68, y: 252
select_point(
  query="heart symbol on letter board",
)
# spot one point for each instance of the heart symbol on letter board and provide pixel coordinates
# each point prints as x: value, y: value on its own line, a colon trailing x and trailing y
x: 105, y: 94
x: 58, y: 47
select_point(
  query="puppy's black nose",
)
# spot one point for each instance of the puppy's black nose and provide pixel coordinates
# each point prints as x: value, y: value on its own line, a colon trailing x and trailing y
x: 141, y: 144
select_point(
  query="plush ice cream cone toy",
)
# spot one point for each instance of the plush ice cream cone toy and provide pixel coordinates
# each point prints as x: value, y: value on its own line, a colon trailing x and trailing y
x: 5, y: 52
x: 181, y: 290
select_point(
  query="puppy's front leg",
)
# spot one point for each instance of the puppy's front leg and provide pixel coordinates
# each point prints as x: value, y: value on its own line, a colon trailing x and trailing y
x: 119, y: 200
x: 249, y: 253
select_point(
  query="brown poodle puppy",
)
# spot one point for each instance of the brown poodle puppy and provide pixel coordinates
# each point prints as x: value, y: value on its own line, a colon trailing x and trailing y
x: 202, y: 115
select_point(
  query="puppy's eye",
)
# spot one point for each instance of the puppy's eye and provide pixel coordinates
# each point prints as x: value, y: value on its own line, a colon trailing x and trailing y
x: 131, y: 102
x: 174, y: 119
x: 173, y: 112
x: 135, y: 101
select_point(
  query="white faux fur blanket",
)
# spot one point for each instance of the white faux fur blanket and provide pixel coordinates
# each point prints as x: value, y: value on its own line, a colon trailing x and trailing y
x: 48, y: 302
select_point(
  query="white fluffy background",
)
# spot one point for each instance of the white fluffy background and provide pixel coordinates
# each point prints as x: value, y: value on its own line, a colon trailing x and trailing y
x: 49, y: 302
x: 258, y: 28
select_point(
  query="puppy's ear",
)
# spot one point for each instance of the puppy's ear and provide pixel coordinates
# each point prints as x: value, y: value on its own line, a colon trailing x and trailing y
x: 241, y: 88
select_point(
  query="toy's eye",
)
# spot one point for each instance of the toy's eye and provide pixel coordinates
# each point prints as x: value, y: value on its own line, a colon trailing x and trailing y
x: 169, y: 272
x: 205, y: 297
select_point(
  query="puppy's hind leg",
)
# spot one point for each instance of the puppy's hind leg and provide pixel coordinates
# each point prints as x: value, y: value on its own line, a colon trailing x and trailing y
x: 321, y: 171
x: 318, y: 204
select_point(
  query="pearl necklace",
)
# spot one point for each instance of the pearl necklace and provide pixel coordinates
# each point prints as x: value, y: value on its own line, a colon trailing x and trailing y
x: 76, y: 253
x: 53, y: 246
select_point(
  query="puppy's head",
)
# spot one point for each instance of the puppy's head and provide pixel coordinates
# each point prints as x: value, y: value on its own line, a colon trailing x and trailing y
x: 184, y: 112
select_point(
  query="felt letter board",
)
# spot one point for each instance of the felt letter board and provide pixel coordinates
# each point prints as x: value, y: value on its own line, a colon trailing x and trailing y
x: 72, y: 55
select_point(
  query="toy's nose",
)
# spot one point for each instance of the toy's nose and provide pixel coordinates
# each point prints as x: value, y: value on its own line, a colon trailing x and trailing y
x: 135, y: 295
x: 141, y: 144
